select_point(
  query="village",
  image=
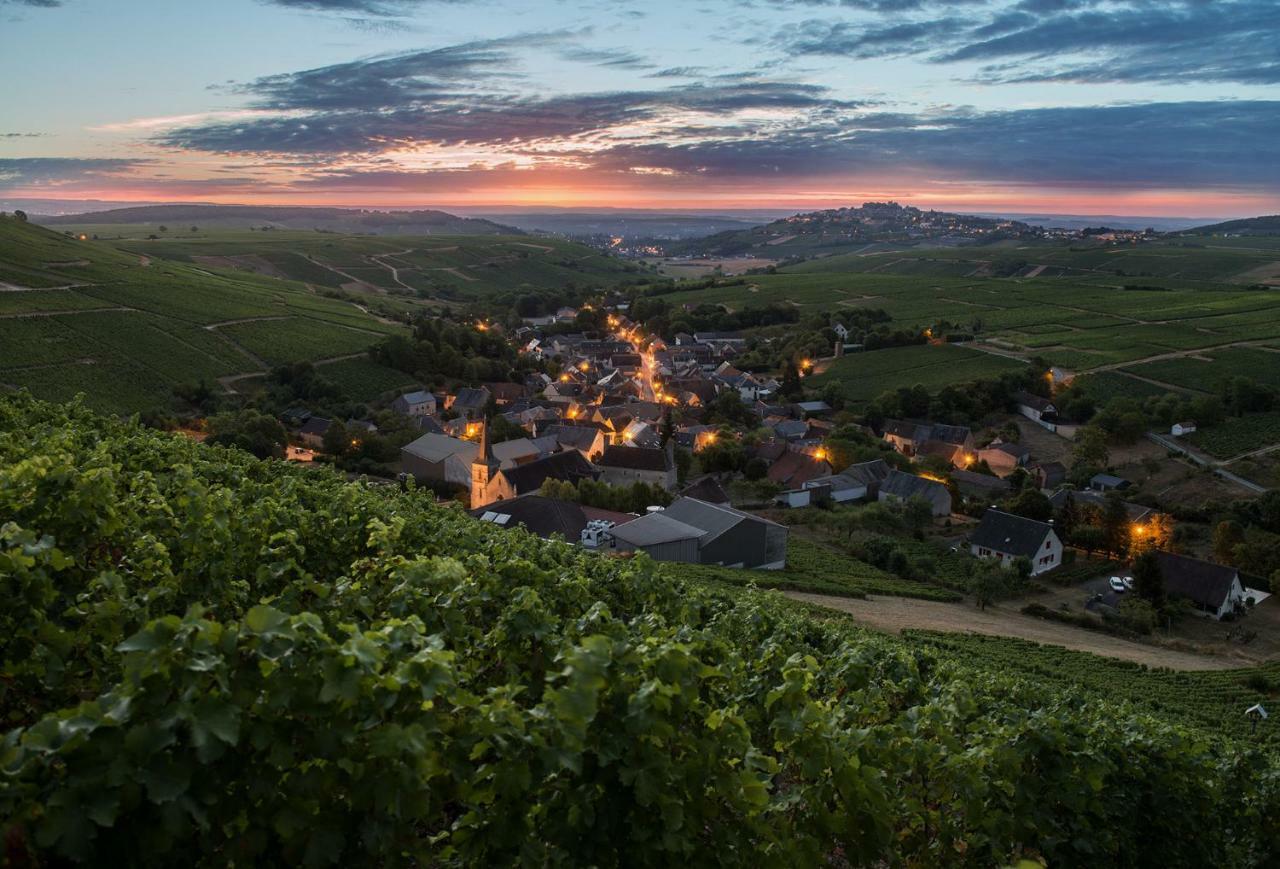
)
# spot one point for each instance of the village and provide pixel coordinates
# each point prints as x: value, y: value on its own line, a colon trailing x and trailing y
x: 622, y: 442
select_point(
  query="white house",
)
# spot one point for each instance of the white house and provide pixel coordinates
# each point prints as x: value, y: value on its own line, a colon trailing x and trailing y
x: 1214, y: 589
x: 1182, y: 428
x: 1034, y: 407
x: 1007, y: 537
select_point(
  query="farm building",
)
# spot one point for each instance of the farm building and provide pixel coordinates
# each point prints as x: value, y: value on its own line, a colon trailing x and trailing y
x: 899, y: 486
x: 794, y: 469
x: 1035, y: 408
x: 439, y: 457
x: 1004, y: 458
x: 1007, y: 537
x: 696, y: 532
x: 312, y: 431
x: 1214, y: 589
x: 1107, y: 483
x: 623, y: 465
x: 952, y: 442
x: 1182, y: 428
x: 854, y: 483
x: 420, y: 403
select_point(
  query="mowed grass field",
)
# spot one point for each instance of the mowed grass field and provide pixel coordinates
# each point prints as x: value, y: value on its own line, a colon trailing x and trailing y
x: 126, y: 329
x: 863, y: 376
x: 413, y: 267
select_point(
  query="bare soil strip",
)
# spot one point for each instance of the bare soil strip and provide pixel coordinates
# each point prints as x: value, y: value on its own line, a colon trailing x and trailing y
x: 895, y: 614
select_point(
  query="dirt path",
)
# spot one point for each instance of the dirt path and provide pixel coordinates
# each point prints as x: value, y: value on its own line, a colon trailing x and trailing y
x: 895, y: 614
x: 334, y: 359
x: 214, y: 326
x: 64, y: 313
x: 228, y: 382
x: 16, y: 288
x: 352, y: 279
x: 395, y: 271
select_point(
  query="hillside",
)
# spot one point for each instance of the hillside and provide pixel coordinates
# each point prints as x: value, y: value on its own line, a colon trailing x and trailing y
x: 391, y: 273
x: 1266, y: 225
x: 127, y: 330
x: 212, y: 659
x: 844, y: 230
x: 289, y: 217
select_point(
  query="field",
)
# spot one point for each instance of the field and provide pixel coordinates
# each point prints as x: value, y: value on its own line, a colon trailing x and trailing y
x: 124, y: 329
x: 813, y: 567
x: 863, y: 376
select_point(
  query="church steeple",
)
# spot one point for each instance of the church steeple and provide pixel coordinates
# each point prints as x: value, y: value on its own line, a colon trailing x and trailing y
x: 483, y: 468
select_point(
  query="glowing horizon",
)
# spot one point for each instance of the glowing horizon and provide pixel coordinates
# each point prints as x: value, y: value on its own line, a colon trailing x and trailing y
x: 992, y: 105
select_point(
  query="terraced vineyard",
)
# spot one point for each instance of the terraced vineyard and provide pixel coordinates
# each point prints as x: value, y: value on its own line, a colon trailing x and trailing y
x: 413, y: 267
x: 1238, y: 435
x: 126, y: 331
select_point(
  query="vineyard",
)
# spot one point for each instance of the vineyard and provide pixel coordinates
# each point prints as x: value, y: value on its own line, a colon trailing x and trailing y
x: 1239, y: 435
x: 214, y: 660
x: 863, y: 376
x: 1213, y: 700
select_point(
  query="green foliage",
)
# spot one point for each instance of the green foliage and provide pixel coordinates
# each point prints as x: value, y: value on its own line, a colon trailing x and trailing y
x: 210, y: 659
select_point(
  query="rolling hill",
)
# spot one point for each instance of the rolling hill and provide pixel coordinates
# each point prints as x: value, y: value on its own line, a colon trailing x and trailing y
x: 126, y: 329
x: 844, y: 230
x: 347, y: 220
x: 1264, y: 225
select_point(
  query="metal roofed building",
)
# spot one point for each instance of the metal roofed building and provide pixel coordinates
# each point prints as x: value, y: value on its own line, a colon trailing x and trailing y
x: 697, y: 532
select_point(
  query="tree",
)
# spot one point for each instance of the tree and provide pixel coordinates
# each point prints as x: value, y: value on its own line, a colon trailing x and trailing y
x: 21, y: 216
x: 667, y: 427
x: 1115, y: 524
x: 1090, y: 538
x: 1068, y: 516
x: 917, y: 514
x: 249, y: 430
x: 1148, y: 579
x: 1031, y: 504
x: 1227, y: 535
x: 790, y: 387
x: 1090, y: 450
x: 164, y: 228
x: 988, y: 583
x: 336, y: 440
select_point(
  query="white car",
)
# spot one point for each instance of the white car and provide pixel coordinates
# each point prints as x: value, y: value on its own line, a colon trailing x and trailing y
x: 1128, y: 582
x: 1117, y: 584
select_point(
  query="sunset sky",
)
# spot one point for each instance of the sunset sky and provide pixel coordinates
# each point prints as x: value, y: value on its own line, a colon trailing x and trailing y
x: 1152, y: 107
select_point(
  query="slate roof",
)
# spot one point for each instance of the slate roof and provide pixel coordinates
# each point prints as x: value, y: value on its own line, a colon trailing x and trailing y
x: 868, y: 472
x: 1090, y: 498
x: 904, y: 486
x: 654, y: 528
x: 707, y: 489
x: 438, y: 447
x: 714, y: 519
x: 510, y: 451
x: 636, y: 458
x: 529, y: 477
x: 538, y: 515
x: 1010, y: 534
x: 984, y: 482
x: 315, y: 425
x: 421, y: 396
x: 1035, y: 402
x: 796, y: 469
x: 1204, y: 582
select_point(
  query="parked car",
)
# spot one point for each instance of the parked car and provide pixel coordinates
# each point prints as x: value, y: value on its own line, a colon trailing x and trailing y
x: 1117, y: 585
x: 1128, y: 582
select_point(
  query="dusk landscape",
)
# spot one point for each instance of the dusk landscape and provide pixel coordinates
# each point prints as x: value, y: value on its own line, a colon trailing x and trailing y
x: 782, y: 432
